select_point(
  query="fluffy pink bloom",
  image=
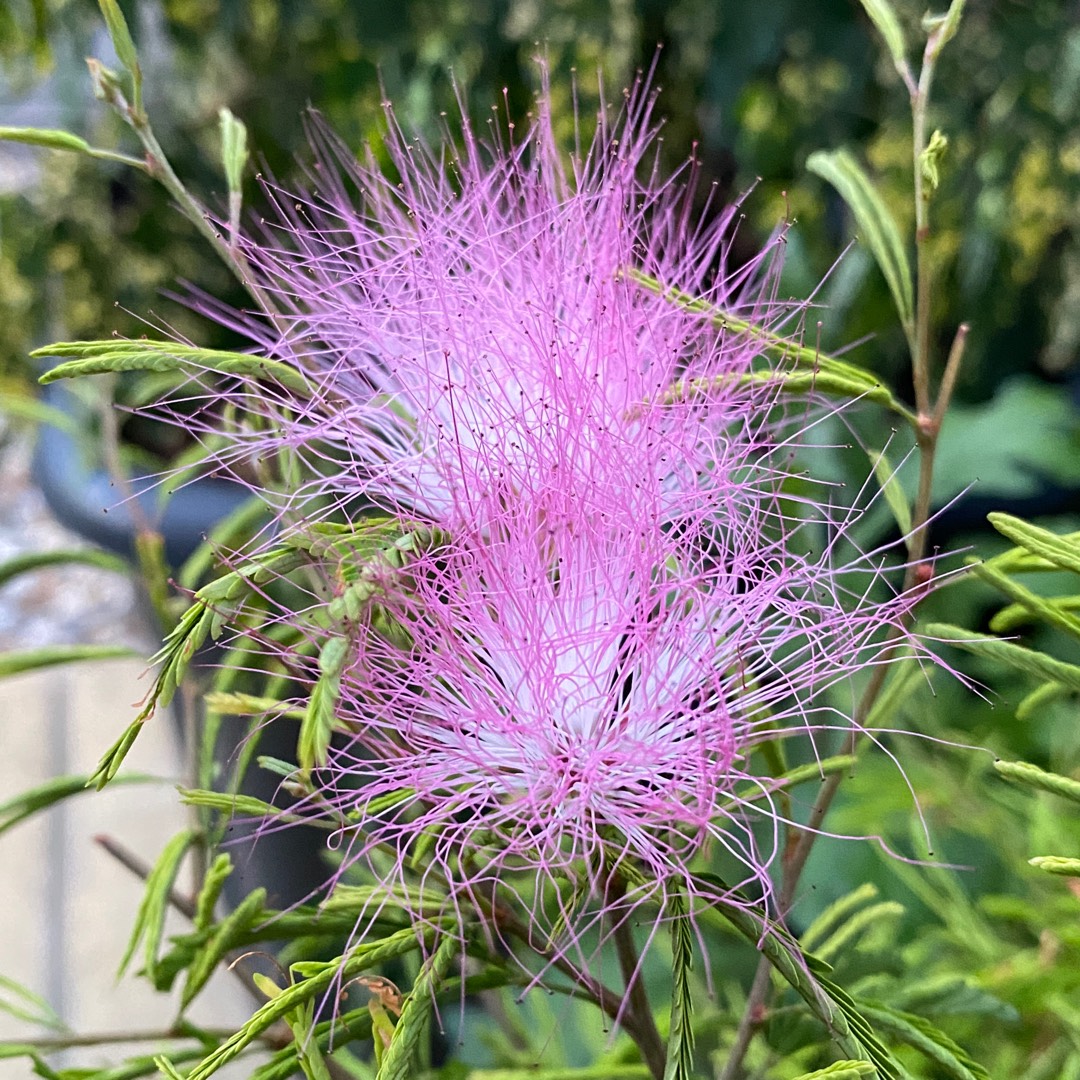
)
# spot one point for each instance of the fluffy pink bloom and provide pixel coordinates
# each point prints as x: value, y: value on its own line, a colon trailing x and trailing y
x: 625, y: 603
x: 470, y: 327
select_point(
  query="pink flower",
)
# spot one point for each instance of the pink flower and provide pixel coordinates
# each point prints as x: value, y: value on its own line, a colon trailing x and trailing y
x: 627, y: 599
x: 470, y: 327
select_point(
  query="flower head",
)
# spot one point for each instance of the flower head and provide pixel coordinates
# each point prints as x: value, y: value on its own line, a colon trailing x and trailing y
x: 624, y: 601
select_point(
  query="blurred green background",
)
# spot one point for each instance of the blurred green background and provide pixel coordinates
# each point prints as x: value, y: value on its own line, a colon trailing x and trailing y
x: 758, y: 86
x: 87, y: 248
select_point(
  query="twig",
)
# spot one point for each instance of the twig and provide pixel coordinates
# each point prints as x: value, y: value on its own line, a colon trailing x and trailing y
x: 637, y: 998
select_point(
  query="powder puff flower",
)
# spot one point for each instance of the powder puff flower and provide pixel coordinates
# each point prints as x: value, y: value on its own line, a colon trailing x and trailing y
x: 569, y: 686
x: 471, y: 325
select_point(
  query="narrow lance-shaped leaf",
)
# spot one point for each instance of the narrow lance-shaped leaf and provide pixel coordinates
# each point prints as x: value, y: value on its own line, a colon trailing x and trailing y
x: 842, y: 1070
x: 1039, y: 606
x: 234, y: 157
x: 22, y: 660
x: 101, y: 357
x: 55, y: 139
x: 39, y: 560
x: 54, y: 790
x: 1059, y: 551
x: 1057, y: 864
x: 23, y: 1004
x: 1009, y: 654
x: 397, y: 1061
x: 1025, y: 773
x: 221, y: 941
x: 125, y: 49
x: 950, y: 1059
x: 888, y: 26
x: 150, y: 919
x: 680, y: 1049
x: 892, y: 490
x: 874, y: 222
x: 362, y: 958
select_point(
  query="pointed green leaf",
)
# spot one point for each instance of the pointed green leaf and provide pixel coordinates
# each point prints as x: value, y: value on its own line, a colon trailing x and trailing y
x: 211, y: 890
x: 125, y: 48
x: 398, y: 1059
x: 1059, y: 551
x: 874, y: 222
x: 1008, y: 653
x: 951, y: 1059
x: 22, y: 806
x: 18, y: 661
x: 1038, y: 699
x: 100, y: 357
x: 150, y: 920
x: 680, y: 1048
x: 38, y: 560
x: 234, y: 151
x: 1025, y: 773
x: 888, y: 26
x: 801, y: 369
x: 362, y: 958
x: 835, y: 914
x: 892, y: 490
x: 24, y: 1004
x: 942, y: 28
x: 1037, y: 606
x: 248, y: 912
x: 1057, y: 864
x: 47, y: 137
x: 842, y: 1070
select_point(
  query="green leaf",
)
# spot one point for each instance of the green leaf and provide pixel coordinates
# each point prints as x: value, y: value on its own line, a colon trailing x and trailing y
x: 212, y: 885
x: 806, y: 975
x: 680, y: 1047
x: 813, y: 371
x: 125, y: 48
x: 24, y: 1004
x: 320, y: 717
x: 150, y: 919
x: 20, y: 660
x: 248, y: 912
x: 165, y: 1066
x: 231, y: 703
x: 100, y: 357
x: 1025, y: 773
x: 1008, y: 653
x: 1057, y: 864
x: 234, y: 151
x: 842, y: 1070
x: 1038, y: 699
x: 48, y: 137
x: 951, y: 1059
x: 942, y: 28
x: 892, y: 490
x: 874, y: 221
x: 1062, y: 552
x: 888, y: 26
x: 53, y: 791
x: 857, y: 925
x: 37, y: 560
x: 1039, y: 606
x: 362, y: 958
x: 835, y: 914
x: 397, y: 1060
x: 613, y: 1071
